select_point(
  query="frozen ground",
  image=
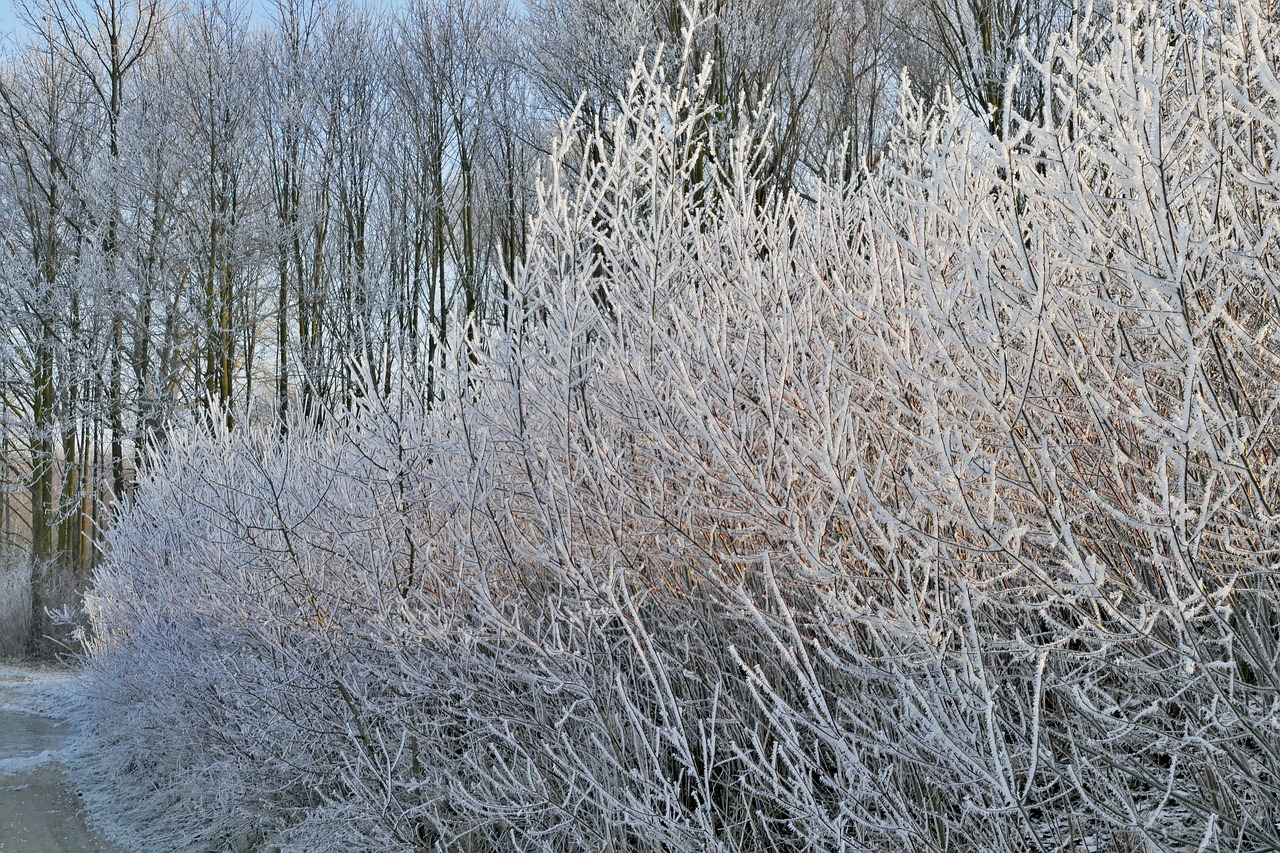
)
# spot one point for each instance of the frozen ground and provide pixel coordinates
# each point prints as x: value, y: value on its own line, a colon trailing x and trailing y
x: 40, y: 811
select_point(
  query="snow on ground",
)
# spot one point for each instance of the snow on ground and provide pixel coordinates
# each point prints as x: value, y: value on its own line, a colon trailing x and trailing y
x: 40, y: 810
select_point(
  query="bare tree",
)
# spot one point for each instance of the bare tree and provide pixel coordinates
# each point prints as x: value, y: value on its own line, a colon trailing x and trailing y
x: 55, y: 321
x: 156, y: 179
x: 351, y: 84
x: 982, y: 45
x: 290, y: 125
x: 103, y: 44
x: 219, y: 99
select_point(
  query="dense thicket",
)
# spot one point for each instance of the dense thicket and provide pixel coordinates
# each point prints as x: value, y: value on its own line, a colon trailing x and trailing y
x: 930, y: 509
x: 209, y: 216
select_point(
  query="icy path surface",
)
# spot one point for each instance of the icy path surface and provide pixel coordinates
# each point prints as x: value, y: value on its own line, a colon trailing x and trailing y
x: 39, y: 809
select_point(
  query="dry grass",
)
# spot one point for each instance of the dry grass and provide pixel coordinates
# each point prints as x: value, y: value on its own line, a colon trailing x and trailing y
x: 15, y: 605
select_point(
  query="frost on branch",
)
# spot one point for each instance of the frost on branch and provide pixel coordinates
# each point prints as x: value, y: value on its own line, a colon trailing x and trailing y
x: 936, y: 512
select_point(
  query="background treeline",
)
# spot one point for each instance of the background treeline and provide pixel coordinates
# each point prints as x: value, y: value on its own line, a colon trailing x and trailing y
x: 926, y: 509
x: 212, y: 217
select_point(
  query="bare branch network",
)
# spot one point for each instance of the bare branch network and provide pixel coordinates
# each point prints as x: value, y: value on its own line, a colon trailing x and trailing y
x: 915, y: 497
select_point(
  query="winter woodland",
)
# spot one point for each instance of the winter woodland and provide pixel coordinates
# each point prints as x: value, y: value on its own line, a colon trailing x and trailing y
x: 757, y: 479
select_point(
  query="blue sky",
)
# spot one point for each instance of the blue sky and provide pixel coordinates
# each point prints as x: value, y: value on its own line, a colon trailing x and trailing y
x: 10, y: 26
x: 8, y: 19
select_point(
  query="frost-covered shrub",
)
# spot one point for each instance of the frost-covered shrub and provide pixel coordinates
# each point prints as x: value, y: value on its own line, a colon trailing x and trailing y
x: 934, y: 511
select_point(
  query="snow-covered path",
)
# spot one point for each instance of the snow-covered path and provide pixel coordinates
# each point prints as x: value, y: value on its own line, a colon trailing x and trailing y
x: 39, y: 810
